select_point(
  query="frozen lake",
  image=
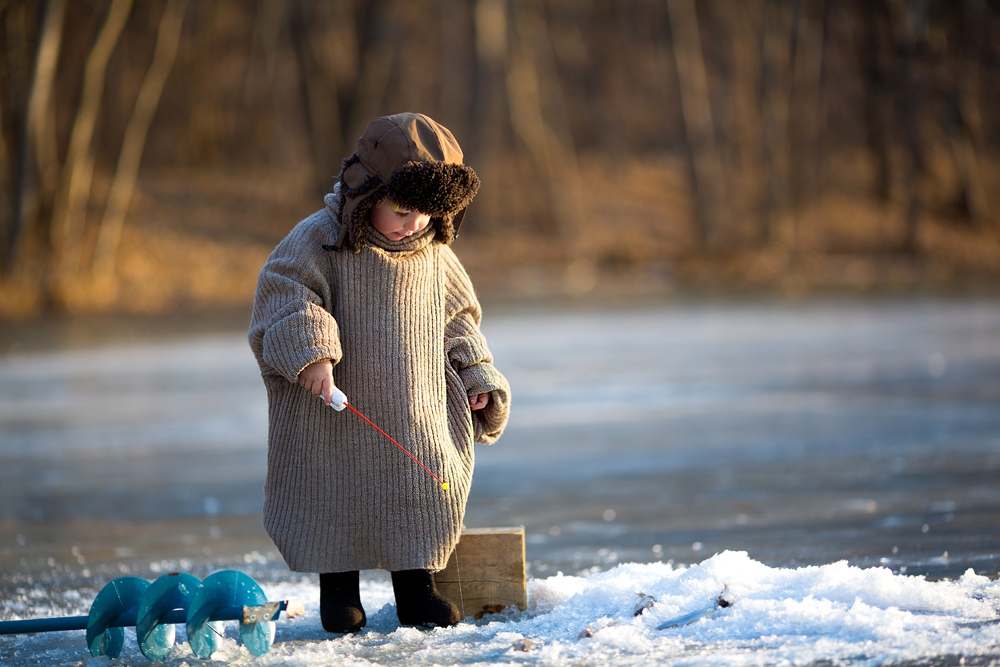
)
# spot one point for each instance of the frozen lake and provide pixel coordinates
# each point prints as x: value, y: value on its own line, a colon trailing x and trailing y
x: 800, y: 433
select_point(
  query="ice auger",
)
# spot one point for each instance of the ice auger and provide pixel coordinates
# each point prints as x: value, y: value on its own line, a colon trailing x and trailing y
x: 154, y: 608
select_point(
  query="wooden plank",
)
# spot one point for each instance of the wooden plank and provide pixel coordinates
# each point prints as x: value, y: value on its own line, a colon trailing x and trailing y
x: 486, y: 572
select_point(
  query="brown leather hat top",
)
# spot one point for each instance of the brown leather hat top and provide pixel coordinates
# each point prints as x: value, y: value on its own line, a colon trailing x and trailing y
x: 413, y: 160
x: 391, y: 141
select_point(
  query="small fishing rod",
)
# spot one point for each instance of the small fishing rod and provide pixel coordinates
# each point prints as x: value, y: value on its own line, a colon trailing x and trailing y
x: 338, y: 401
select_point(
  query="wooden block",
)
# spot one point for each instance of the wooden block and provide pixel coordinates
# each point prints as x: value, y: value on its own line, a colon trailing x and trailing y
x: 486, y: 572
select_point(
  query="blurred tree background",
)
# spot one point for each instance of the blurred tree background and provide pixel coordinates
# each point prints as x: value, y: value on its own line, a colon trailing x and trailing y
x: 152, y: 152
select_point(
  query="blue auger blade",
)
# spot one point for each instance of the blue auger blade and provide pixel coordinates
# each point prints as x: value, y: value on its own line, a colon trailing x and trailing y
x: 121, y: 596
x: 226, y: 588
x: 169, y: 592
x: 257, y: 633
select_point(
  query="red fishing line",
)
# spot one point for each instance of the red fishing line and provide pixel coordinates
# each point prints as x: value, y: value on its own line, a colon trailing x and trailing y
x: 444, y: 485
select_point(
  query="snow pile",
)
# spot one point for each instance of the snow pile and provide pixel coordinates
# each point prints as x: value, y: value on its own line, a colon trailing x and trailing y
x: 836, y: 613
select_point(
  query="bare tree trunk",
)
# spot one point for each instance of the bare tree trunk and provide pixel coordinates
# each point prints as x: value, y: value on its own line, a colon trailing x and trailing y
x: 127, y: 172
x: 6, y: 217
x: 457, y: 67
x: 271, y: 21
x: 311, y: 35
x: 270, y: 17
x: 777, y: 88
x: 910, y: 20
x: 524, y: 100
x: 69, y: 216
x: 808, y: 117
x: 342, y: 58
x: 490, y: 21
x: 38, y: 156
x: 372, y: 86
x: 747, y: 180
x: 5, y: 191
x: 554, y: 154
x: 967, y: 144
x: 47, y: 144
x: 552, y: 97
x: 877, y: 109
x: 964, y: 151
x: 376, y: 70
x: 709, y: 185
x: 7, y: 194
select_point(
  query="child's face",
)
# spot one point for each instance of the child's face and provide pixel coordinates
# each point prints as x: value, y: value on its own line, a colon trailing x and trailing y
x: 396, y: 225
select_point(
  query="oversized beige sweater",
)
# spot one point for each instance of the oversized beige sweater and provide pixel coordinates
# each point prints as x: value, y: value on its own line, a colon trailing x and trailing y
x: 400, y: 321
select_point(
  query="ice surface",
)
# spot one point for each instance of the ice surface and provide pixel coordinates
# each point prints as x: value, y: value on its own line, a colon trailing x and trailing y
x: 832, y: 613
x: 800, y: 432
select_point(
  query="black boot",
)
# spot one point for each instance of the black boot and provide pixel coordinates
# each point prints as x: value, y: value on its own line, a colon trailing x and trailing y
x: 418, y: 601
x: 340, y: 602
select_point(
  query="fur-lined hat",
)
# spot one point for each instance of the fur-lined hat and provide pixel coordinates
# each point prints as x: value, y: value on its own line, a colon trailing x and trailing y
x: 412, y: 160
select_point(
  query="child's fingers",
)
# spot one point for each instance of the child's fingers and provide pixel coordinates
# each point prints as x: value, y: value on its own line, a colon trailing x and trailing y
x: 316, y: 376
x: 479, y: 401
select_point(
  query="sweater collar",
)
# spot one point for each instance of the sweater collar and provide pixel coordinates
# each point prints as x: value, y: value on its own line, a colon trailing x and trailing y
x: 418, y: 241
x: 410, y: 244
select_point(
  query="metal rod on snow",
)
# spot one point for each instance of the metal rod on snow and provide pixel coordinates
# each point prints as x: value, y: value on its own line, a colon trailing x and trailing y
x: 128, y: 619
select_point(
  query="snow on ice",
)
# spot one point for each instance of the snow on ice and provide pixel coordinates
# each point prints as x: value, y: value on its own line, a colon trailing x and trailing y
x: 832, y: 613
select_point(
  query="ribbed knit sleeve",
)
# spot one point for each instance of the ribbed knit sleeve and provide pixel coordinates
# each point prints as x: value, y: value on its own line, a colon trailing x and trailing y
x: 291, y: 326
x: 468, y: 354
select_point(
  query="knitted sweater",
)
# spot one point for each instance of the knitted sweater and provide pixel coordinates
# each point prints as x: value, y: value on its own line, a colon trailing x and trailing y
x: 400, y: 321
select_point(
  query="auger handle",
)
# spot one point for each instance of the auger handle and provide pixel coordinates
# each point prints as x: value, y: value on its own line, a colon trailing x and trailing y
x: 269, y: 611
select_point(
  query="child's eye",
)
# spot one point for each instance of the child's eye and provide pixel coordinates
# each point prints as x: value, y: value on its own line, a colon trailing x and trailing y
x: 403, y: 214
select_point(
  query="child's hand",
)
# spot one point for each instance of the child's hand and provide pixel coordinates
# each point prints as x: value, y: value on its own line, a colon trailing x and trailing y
x: 479, y: 401
x: 317, y: 378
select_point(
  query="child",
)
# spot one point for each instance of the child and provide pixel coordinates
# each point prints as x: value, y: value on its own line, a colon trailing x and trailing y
x: 368, y: 291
